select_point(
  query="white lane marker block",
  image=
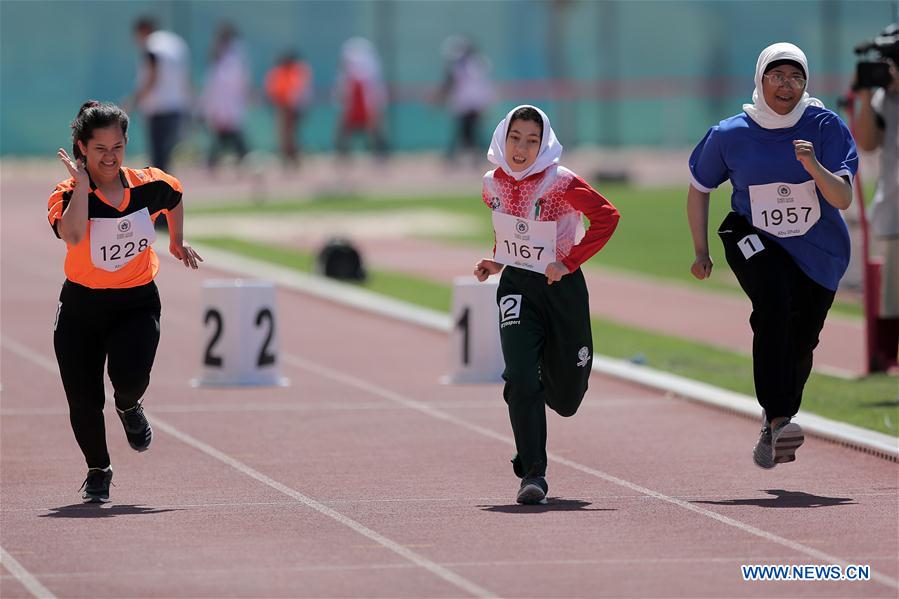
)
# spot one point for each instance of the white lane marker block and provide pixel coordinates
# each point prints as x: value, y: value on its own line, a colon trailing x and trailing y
x: 475, y: 353
x: 240, y: 347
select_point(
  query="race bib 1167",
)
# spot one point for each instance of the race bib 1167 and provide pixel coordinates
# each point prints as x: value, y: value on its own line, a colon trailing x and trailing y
x: 524, y: 243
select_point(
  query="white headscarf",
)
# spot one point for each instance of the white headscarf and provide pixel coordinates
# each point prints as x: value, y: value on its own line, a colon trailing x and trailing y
x: 550, y: 148
x: 759, y: 111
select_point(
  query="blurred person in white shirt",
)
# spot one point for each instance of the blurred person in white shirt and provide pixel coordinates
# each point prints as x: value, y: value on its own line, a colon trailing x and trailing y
x: 226, y: 94
x: 163, y: 87
x: 467, y: 92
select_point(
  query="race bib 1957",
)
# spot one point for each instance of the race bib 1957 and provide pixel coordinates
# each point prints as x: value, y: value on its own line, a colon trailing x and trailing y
x: 116, y: 241
x: 524, y: 243
x: 784, y: 209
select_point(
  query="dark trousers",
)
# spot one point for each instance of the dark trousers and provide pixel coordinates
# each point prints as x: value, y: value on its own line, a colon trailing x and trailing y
x: 287, y: 121
x: 377, y: 143
x: 221, y: 141
x: 548, y: 348
x: 466, y: 134
x: 788, y: 312
x: 163, y: 129
x: 93, y: 326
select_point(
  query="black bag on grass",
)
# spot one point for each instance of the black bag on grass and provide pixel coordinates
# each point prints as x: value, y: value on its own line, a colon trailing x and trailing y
x: 339, y: 259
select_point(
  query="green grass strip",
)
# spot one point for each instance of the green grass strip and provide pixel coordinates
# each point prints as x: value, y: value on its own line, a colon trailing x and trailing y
x: 871, y: 402
x: 652, y: 239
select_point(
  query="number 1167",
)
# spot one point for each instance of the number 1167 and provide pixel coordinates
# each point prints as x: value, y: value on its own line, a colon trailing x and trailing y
x: 522, y: 250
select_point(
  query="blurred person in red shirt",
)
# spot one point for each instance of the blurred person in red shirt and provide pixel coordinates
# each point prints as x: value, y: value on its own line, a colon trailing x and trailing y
x: 362, y: 96
x: 288, y: 86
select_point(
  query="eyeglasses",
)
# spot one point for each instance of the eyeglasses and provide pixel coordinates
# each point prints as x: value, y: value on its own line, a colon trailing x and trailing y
x: 778, y: 80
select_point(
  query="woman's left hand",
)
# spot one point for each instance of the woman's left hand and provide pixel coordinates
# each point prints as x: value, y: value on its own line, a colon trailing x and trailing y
x: 805, y: 153
x: 185, y: 253
x: 555, y: 271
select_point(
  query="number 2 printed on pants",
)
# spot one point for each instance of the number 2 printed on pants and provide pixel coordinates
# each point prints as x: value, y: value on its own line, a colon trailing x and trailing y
x: 509, y: 307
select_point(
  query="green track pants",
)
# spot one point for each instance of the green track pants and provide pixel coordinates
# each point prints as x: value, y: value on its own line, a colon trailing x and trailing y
x: 548, y: 349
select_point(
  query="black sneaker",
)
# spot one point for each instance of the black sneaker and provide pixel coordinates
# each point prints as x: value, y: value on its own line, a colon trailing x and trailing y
x: 532, y: 491
x: 96, y: 486
x: 137, y: 429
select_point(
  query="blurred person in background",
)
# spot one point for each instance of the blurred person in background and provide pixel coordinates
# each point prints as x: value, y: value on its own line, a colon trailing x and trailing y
x: 362, y: 96
x: 542, y: 295
x: 226, y: 94
x: 288, y: 86
x: 467, y: 92
x: 163, y: 88
x: 791, y: 162
x: 109, y: 308
x: 877, y: 126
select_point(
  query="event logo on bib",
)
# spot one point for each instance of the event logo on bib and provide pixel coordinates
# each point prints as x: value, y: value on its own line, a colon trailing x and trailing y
x: 522, y: 227
x: 783, y: 190
x: 124, y: 226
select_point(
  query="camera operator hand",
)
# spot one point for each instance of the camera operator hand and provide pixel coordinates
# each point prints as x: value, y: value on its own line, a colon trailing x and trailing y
x: 868, y: 131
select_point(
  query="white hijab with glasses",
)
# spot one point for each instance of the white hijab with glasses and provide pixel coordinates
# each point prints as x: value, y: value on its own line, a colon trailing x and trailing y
x: 759, y: 111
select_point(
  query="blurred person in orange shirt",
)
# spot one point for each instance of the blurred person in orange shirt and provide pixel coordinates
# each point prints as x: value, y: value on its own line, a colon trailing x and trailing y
x: 362, y: 96
x: 288, y: 86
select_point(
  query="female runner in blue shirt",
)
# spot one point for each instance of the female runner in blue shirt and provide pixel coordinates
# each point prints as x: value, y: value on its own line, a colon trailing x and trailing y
x: 790, y: 162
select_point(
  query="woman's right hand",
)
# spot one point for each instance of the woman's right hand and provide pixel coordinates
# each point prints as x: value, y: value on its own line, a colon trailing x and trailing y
x: 75, y: 167
x: 702, y: 266
x: 485, y: 268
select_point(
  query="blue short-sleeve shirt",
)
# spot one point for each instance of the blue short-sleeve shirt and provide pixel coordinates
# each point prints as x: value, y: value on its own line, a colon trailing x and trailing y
x: 740, y: 150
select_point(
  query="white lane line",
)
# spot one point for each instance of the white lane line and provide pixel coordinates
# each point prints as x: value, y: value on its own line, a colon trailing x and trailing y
x: 404, y: 552
x: 25, y: 577
x: 423, y: 562
x: 209, y: 408
x: 375, y: 389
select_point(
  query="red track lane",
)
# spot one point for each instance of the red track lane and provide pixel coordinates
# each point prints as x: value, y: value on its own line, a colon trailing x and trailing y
x: 367, y: 478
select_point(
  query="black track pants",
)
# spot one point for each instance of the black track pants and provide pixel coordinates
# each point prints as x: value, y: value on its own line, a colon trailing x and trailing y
x: 548, y: 349
x: 788, y: 312
x: 95, y: 326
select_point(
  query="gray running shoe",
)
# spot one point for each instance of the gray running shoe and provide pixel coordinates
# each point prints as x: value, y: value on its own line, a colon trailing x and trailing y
x: 763, y: 454
x: 96, y: 486
x: 786, y: 439
x: 532, y: 491
x: 137, y: 428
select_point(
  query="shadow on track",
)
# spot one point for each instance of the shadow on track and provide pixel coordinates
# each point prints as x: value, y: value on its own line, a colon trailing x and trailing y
x: 99, y: 510
x: 554, y: 504
x: 782, y: 498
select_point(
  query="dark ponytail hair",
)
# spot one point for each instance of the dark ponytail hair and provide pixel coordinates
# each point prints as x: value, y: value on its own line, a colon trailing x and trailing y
x: 526, y: 113
x: 93, y: 115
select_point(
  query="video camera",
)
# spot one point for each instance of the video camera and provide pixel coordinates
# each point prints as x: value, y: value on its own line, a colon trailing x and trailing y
x: 876, y: 73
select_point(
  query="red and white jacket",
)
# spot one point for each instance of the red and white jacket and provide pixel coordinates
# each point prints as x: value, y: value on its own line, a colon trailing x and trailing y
x: 563, y: 197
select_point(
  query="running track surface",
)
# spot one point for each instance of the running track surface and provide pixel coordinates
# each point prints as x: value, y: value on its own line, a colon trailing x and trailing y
x: 367, y: 478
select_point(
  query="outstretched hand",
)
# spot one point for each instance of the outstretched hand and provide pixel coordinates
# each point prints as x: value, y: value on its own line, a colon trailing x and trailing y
x: 185, y: 253
x: 76, y: 168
